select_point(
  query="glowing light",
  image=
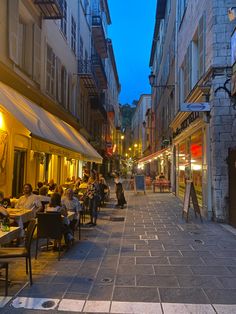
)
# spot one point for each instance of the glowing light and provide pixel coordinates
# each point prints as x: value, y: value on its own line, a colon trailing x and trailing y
x: 150, y: 160
x: 181, y: 167
x: 122, y: 137
x: 155, y: 158
x: 1, y: 121
x: 135, y: 145
x: 129, y: 148
x: 196, y: 167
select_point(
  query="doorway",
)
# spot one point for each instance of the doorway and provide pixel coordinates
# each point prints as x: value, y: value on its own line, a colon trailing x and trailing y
x: 232, y: 184
x: 18, y: 172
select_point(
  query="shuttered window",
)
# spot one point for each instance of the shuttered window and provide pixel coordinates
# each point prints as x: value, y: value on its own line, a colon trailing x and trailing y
x: 63, y: 5
x: 50, y: 72
x: 13, y: 25
x: 73, y: 34
x: 37, y: 54
x: 201, y: 45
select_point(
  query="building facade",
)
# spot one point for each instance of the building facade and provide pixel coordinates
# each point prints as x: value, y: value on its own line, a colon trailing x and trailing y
x: 46, y: 116
x: 200, y: 140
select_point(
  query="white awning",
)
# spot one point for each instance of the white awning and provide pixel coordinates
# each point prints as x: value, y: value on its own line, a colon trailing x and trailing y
x: 45, y: 126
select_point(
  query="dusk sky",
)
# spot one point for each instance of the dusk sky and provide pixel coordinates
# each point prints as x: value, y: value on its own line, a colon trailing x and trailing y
x: 131, y: 32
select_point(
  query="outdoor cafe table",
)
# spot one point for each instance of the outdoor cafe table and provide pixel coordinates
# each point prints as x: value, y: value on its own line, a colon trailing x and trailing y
x: 8, y: 236
x: 21, y: 216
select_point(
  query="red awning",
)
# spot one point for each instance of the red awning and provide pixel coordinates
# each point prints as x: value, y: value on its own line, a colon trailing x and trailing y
x: 152, y: 156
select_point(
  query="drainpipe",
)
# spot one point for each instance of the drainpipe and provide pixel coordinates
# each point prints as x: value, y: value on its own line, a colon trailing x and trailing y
x: 173, y: 164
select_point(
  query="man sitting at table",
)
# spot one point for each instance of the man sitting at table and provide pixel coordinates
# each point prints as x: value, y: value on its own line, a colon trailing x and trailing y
x: 29, y: 200
x: 71, y: 203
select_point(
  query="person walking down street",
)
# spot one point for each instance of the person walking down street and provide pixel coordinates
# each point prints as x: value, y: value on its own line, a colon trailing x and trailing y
x: 94, y: 199
x: 121, y: 201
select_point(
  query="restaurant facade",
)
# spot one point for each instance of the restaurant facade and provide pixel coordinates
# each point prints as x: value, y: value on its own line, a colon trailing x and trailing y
x: 37, y: 146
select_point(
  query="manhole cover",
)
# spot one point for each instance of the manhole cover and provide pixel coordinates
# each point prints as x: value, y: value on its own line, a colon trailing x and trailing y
x: 117, y: 218
x: 150, y: 237
x: 198, y: 241
x: 48, y: 304
x: 106, y: 280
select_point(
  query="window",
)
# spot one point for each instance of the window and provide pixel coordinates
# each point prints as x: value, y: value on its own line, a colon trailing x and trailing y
x: 50, y: 72
x: 63, y: 5
x: 73, y: 34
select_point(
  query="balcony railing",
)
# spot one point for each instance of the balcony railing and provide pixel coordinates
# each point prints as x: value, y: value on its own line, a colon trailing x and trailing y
x: 99, y: 71
x: 99, y: 36
x: 50, y: 9
x: 93, y: 74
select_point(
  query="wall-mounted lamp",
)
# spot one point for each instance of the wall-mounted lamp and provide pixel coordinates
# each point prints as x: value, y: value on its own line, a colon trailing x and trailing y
x: 152, y: 78
x: 224, y: 87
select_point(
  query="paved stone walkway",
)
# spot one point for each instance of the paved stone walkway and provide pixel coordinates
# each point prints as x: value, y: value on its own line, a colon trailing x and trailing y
x: 152, y: 262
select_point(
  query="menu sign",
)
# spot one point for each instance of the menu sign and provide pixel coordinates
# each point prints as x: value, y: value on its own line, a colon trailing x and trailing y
x: 190, y: 193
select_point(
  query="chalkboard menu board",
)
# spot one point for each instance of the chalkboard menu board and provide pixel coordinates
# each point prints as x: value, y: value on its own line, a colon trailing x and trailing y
x: 190, y: 193
x: 139, y: 183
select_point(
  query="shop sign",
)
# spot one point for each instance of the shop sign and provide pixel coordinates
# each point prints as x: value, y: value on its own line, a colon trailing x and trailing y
x: 196, y: 106
x: 191, y: 118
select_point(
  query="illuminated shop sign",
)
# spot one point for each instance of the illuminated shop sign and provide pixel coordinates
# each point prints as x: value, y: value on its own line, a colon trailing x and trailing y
x: 186, y: 123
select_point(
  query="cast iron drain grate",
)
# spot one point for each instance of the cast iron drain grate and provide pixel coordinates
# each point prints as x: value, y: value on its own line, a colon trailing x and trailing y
x: 106, y: 280
x: 48, y: 304
x: 199, y: 241
x: 117, y: 218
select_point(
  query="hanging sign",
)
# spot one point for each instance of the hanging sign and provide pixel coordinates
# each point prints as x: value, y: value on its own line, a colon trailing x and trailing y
x: 195, y: 106
x: 190, y: 193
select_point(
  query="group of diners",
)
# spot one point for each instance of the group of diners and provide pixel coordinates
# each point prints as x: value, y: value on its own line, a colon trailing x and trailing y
x: 89, y: 192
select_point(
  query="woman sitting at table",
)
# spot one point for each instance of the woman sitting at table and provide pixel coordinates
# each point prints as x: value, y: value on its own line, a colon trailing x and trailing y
x: 55, y: 206
x: 71, y: 203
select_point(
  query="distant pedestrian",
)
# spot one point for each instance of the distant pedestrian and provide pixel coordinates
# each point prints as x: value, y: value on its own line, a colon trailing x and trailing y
x: 119, y: 192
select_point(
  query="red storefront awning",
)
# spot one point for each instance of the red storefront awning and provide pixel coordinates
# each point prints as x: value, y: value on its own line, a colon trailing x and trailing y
x: 153, y: 156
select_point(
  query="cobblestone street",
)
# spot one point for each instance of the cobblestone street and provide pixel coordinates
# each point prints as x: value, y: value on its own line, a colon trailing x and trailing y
x: 152, y: 262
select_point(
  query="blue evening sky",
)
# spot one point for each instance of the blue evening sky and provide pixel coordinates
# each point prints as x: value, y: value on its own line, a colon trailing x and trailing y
x: 131, y: 32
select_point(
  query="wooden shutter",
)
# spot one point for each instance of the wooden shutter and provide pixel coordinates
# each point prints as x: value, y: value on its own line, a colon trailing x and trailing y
x: 13, y: 21
x: 37, y: 54
x: 28, y: 49
x: 70, y: 98
x: 58, y: 80
x: 201, y: 45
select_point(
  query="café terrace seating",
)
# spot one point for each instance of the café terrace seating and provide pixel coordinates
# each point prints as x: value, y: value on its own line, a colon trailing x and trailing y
x: 7, y: 253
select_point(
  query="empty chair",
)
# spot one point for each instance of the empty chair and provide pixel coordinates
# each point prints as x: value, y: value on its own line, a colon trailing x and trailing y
x: 16, y: 252
x: 49, y: 226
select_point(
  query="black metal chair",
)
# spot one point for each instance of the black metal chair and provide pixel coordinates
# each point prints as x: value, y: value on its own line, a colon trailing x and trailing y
x: 50, y: 226
x: 4, y: 265
x: 8, y: 253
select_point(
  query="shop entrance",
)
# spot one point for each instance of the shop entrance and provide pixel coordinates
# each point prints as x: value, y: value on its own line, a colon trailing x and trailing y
x: 232, y: 184
x: 18, y: 172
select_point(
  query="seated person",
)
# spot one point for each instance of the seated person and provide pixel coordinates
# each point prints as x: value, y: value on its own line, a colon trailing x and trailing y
x: 36, y: 190
x: 59, y: 189
x: 71, y: 203
x: 29, y: 200
x: 51, y: 185
x: 5, y: 202
x: 55, y: 206
x: 43, y: 196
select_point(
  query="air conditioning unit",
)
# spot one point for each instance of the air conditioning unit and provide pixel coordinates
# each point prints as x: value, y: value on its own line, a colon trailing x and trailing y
x: 232, y: 14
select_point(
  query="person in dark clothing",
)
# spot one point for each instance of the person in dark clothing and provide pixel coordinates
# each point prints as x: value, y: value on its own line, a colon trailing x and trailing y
x: 120, y: 195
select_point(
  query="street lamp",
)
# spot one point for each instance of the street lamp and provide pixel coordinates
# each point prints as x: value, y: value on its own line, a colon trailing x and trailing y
x: 152, y: 78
